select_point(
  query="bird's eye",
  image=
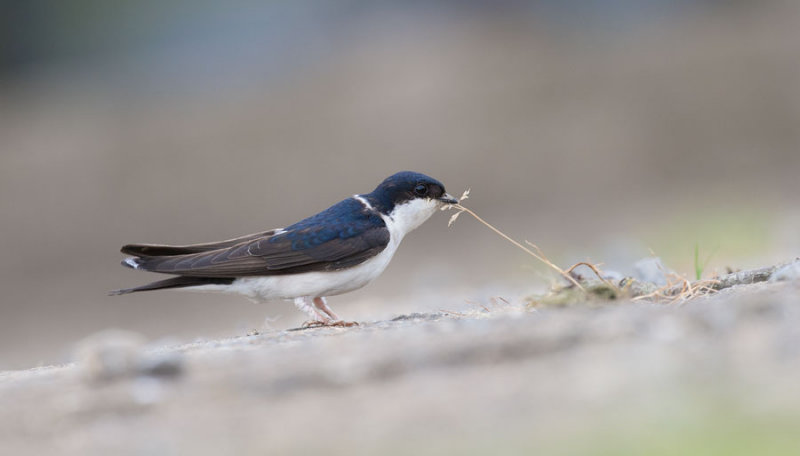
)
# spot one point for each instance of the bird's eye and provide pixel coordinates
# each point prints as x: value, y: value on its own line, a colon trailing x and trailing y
x: 421, y: 190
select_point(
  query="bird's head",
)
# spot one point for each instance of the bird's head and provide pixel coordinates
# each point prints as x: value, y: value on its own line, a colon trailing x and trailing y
x: 409, y: 198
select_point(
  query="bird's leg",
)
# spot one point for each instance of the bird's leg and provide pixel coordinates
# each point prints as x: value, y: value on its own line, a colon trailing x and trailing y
x: 317, y: 318
x: 320, y: 304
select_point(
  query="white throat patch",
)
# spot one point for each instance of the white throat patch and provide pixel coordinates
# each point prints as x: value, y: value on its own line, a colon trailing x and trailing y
x: 408, y: 216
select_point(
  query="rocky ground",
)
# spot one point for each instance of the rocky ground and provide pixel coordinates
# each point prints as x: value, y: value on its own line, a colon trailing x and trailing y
x: 718, y: 374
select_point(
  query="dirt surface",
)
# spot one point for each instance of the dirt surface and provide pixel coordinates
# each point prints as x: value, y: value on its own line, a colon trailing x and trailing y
x: 717, y: 374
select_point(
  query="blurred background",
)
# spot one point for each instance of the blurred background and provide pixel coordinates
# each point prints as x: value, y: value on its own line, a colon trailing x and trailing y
x: 606, y: 131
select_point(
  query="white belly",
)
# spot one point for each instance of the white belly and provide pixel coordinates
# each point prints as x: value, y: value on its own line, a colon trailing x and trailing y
x: 311, y: 284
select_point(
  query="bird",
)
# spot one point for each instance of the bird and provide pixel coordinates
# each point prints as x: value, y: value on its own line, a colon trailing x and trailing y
x: 341, y: 249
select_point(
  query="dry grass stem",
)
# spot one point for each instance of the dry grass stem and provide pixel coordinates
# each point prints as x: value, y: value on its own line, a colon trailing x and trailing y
x: 539, y: 256
x: 680, y: 289
x: 677, y: 289
x: 594, y: 269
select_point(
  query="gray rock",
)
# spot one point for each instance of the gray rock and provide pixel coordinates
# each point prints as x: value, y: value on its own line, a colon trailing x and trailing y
x: 115, y: 354
x: 788, y: 272
x: 651, y: 270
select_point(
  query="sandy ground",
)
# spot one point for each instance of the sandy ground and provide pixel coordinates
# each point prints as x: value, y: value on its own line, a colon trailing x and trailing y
x: 717, y: 374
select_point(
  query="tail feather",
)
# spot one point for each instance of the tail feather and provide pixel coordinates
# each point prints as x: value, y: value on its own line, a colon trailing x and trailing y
x: 131, y: 262
x: 174, y: 282
x: 146, y: 256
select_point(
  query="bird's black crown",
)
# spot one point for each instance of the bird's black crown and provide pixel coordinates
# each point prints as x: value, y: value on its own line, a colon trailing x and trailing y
x: 405, y: 186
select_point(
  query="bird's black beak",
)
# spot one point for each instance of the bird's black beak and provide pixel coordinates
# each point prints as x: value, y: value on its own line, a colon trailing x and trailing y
x: 448, y: 199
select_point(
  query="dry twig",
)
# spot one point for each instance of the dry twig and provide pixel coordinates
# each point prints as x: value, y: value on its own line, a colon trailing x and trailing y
x: 539, y: 256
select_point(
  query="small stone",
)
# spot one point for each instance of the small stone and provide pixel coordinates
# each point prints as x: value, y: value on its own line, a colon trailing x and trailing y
x: 108, y: 354
x: 788, y: 272
x: 115, y: 354
x: 651, y: 270
x: 164, y: 364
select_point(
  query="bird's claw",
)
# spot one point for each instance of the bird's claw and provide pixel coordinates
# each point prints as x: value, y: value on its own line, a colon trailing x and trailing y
x: 343, y: 324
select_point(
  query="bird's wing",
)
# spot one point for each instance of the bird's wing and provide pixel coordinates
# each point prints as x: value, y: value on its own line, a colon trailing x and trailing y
x: 162, y: 250
x: 342, y: 236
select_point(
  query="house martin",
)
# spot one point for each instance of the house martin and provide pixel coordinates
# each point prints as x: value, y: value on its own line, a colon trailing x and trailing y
x: 340, y: 249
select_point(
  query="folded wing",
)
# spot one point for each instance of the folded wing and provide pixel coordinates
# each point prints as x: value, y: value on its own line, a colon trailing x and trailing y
x: 162, y: 250
x: 344, y: 235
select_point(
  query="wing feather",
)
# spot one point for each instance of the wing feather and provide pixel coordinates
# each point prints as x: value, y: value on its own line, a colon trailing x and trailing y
x: 161, y: 250
x: 344, y: 235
